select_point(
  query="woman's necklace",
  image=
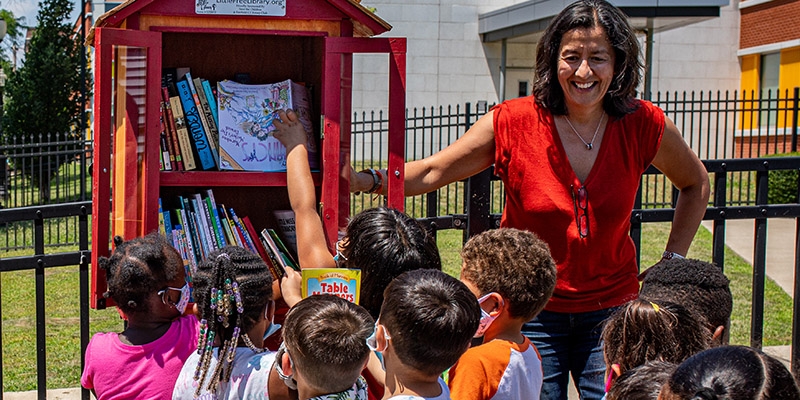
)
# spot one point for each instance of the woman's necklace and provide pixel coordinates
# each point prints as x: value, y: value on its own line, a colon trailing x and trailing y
x: 590, y: 144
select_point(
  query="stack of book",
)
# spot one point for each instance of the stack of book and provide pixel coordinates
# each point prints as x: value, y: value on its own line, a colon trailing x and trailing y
x: 189, y: 134
x: 198, y: 226
x: 227, y: 125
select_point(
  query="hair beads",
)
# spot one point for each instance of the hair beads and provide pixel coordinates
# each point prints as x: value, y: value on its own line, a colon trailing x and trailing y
x: 232, y: 288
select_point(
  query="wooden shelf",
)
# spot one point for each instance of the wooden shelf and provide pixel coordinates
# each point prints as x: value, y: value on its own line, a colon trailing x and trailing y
x: 227, y: 178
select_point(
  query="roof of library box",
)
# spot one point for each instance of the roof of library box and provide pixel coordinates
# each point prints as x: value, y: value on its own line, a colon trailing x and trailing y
x: 365, y: 23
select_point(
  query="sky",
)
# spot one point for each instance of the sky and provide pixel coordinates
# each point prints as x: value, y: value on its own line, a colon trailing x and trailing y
x: 29, y: 9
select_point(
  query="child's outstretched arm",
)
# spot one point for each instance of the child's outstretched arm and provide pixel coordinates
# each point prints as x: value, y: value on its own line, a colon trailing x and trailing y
x: 312, y: 250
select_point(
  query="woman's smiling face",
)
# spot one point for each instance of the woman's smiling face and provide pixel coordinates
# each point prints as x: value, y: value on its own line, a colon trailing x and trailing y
x: 585, y: 67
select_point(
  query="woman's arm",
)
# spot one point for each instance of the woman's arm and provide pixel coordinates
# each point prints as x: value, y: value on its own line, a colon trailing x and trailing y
x: 685, y: 170
x: 470, y: 154
x: 312, y: 248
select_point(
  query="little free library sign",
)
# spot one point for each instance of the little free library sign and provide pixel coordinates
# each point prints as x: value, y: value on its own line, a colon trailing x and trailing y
x: 241, y: 7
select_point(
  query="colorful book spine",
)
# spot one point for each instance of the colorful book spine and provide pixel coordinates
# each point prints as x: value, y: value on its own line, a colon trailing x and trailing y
x: 184, y: 139
x: 287, y: 256
x: 212, y: 101
x: 247, y: 240
x: 205, y: 112
x: 213, y: 142
x: 172, y: 135
x: 165, y: 214
x: 195, y: 126
x: 215, y: 220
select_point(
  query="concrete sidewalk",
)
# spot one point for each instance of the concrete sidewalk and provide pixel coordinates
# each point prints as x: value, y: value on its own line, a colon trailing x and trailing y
x: 781, y: 232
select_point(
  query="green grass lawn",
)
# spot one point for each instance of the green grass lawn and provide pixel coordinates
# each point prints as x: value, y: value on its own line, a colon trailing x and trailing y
x: 63, y: 341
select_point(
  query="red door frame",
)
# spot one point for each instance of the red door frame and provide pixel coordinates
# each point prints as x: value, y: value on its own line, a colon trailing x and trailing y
x: 336, y: 110
x: 106, y: 39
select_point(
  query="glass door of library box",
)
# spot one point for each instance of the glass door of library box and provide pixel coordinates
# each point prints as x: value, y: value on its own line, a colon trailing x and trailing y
x: 125, y: 188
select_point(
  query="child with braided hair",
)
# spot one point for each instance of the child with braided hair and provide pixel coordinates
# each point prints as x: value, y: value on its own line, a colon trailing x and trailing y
x: 233, y: 292
x: 146, y: 279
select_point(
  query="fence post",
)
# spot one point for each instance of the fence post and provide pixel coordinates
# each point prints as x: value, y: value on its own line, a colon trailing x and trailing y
x: 759, y: 260
x: 478, y: 191
x: 795, y: 109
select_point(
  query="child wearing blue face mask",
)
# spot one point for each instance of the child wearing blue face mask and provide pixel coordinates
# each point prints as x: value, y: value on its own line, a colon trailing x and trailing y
x: 146, y: 280
x: 426, y: 323
x: 513, y: 275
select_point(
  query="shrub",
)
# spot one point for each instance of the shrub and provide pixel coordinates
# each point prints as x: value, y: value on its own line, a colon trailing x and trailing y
x: 783, y: 183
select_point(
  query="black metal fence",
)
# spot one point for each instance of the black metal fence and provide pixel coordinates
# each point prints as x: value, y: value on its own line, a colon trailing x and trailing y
x: 717, y: 125
x: 35, y: 171
x: 725, y: 130
x: 40, y: 262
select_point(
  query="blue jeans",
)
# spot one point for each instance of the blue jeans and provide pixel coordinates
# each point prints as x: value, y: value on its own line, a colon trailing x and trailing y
x: 570, y: 343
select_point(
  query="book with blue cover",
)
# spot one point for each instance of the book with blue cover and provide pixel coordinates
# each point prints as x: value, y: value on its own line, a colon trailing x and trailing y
x: 195, y: 127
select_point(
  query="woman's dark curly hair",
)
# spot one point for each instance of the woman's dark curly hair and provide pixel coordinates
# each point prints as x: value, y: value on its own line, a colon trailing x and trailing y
x: 383, y: 243
x: 137, y: 268
x: 585, y: 14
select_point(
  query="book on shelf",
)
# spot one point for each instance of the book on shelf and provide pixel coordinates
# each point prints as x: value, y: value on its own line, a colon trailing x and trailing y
x: 286, y: 228
x: 287, y: 255
x: 195, y: 126
x: 341, y: 282
x: 246, y: 114
x: 172, y: 135
x: 279, y: 256
x: 205, y: 115
x: 211, y: 98
x: 184, y: 139
x: 166, y: 164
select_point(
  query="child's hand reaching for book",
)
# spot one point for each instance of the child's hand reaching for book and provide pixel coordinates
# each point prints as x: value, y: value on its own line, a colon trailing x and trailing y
x: 289, y: 130
x: 290, y: 287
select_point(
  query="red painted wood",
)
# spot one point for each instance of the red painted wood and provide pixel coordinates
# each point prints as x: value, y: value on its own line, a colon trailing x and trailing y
x: 227, y: 178
x: 321, y: 10
x: 397, y: 107
x: 106, y: 40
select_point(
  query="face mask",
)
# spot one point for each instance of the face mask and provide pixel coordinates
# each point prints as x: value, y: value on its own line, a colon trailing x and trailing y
x: 288, y: 380
x: 183, y: 301
x: 372, y: 340
x: 486, y: 318
x: 273, y: 327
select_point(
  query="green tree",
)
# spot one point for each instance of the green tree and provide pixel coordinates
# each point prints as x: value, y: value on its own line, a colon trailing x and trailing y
x: 44, y: 106
x: 14, y: 35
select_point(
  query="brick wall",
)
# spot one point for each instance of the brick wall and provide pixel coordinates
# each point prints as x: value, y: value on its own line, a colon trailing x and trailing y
x: 748, y: 147
x: 772, y: 22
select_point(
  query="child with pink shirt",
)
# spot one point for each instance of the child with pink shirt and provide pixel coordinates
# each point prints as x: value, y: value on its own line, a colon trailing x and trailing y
x: 146, y: 279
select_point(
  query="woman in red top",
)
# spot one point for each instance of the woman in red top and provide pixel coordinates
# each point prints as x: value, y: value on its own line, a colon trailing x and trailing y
x: 571, y: 157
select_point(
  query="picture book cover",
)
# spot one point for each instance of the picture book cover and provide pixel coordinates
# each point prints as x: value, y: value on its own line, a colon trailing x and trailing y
x: 246, y: 114
x: 342, y: 282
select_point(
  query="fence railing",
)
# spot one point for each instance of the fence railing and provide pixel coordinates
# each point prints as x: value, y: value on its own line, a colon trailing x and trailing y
x: 39, y: 170
x: 477, y: 218
x: 40, y: 262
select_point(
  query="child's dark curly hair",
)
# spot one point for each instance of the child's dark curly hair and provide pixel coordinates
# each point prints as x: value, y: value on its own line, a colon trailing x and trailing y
x: 698, y: 285
x: 138, y: 267
x: 225, y: 274
x: 513, y: 263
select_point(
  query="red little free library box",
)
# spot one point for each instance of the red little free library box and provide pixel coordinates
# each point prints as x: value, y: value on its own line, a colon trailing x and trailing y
x: 309, y: 41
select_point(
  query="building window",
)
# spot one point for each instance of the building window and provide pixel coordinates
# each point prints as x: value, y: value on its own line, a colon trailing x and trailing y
x: 768, y: 82
x: 523, y: 89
